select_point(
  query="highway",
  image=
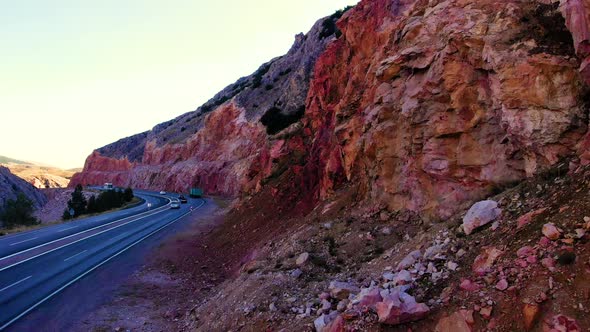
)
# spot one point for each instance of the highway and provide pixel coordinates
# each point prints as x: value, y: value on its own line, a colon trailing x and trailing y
x: 36, y: 265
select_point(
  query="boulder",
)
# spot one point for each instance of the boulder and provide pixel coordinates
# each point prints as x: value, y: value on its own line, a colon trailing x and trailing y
x: 369, y: 297
x: 551, y: 232
x: 525, y: 219
x: 530, y: 313
x: 302, y: 259
x: 454, y: 323
x: 409, y: 260
x: 484, y: 261
x: 399, y: 307
x: 481, y: 213
x: 341, y: 290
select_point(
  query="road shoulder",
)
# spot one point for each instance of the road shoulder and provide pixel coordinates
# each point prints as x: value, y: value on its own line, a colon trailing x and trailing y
x: 156, y: 297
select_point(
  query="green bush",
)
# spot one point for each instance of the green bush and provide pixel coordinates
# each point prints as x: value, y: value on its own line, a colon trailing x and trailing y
x: 18, y: 212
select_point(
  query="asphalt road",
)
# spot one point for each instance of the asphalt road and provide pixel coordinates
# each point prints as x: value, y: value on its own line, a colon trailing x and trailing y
x: 36, y: 265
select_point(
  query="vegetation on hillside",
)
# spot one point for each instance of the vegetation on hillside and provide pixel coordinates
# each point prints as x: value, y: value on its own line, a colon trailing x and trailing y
x: 106, y: 200
x: 18, y: 212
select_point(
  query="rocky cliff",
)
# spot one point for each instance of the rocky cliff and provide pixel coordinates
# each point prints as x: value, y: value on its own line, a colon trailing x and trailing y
x: 11, y: 185
x: 224, y: 145
x: 424, y: 105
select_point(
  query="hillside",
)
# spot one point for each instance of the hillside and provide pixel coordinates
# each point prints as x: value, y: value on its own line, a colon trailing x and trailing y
x: 6, y: 160
x: 356, y: 160
x: 11, y: 185
x: 40, y: 176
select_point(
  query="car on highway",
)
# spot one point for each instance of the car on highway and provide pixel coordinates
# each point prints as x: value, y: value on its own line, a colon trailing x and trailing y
x: 175, y: 204
x: 162, y: 192
x: 182, y: 199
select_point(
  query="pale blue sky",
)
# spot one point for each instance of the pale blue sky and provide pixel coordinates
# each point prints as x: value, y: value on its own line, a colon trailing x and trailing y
x: 79, y: 74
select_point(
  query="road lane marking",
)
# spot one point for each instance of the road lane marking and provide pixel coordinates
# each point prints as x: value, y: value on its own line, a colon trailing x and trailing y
x: 65, y: 229
x: 147, y: 214
x: 45, y: 229
x: 16, y: 283
x: 31, y: 239
x: 68, y: 244
x: 92, y: 269
x: 80, y: 253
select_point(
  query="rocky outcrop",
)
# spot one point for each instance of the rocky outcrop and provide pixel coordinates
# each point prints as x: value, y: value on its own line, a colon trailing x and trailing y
x: 424, y: 105
x: 577, y: 19
x: 225, y: 145
x: 431, y: 104
x: 11, y: 185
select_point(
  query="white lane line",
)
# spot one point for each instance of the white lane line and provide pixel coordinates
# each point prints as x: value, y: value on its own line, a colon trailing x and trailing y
x: 145, y: 214
x: 92, y: 269
x: 69, y: 244
x: 65, y: 229
x: 44, y: 230
x: 16, y: 283
x: 80, y: 253
x: 31, y: 239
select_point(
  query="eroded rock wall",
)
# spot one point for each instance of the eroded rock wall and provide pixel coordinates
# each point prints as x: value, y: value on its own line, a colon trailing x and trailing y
x: 424, y: 105
x: 431, y: 104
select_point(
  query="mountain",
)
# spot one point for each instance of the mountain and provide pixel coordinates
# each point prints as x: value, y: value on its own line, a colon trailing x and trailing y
x: 39, y: 175
x: 6, y: 160
x: 11, y: 185
x: 356, y: 160
x: 221, y: 144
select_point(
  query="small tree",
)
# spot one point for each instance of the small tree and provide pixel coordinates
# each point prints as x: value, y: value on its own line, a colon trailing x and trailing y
x: 92, y: 206
x: 128, y: 194
x: 18, y: 212
x: 78, y: 201
x: 66, y: 215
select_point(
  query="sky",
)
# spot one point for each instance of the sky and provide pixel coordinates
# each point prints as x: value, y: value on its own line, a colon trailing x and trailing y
x: 76, y: 75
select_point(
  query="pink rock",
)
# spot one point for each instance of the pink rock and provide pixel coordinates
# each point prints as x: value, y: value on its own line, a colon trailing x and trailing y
x: 551, y: 232
x: 525, y: 251
x: 561, y: 323
x: 484, y: 261
x: 369, y: 297
x: 400, y: 307
x: 481, y: 213
x: 531, y: 259
x: 336, y: 325
x: 502, y: 285
x: 341, y: 290
x: 469, y: 285
x: 549, y: 263
x: 544, y: 242
x: 521, y: 262
x: 486, y: 312
x: 526, y: 218
x: 454, y: 323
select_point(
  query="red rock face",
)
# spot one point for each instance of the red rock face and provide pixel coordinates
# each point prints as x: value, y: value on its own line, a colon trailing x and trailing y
x: 431, y: 106
x: 425, y: 105
x: 227, y: 156
x: 577, y: 17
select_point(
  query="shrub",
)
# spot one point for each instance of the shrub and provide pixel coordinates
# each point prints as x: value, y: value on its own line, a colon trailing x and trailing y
x: 18, y: 212
x: 275, y: 120
x: 78, y: 201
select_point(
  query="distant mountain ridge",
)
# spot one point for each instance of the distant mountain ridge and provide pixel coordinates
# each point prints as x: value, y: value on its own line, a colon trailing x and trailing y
x: 38, y: 174
x: 11, y: 185
x: 7, y: 160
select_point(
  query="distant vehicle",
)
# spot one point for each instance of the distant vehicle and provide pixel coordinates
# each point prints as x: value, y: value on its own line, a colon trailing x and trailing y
x: 108, y: 186
x: 182, y: 199
x: 196, y: 193
x: 162, y: 192
x: 175, y: 204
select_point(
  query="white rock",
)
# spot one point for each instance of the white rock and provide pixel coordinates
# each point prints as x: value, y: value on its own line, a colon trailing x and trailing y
x: 481, y: 213
x: 409, y: 260
x: 302, y: 259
